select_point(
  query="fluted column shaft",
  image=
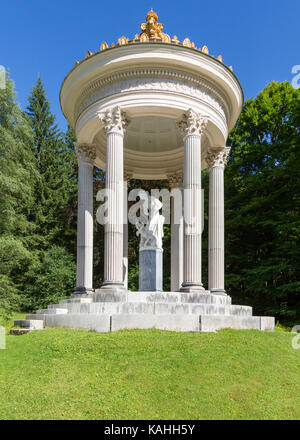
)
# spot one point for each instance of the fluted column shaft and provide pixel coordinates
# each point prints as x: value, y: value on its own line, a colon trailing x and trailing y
x: 84, y: 270
x: 216, y: 160
x: 177, y: 226
x: 192, y: 270
x: 113, y: 244
x: 114, y: 125
x: 192, y: 126
x: 127, y: 177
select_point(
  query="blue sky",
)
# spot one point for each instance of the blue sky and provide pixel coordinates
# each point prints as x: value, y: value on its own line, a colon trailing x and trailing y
x: 260, y: 38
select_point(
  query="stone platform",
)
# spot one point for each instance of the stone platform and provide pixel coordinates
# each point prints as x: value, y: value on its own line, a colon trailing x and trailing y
x: 105, y: 311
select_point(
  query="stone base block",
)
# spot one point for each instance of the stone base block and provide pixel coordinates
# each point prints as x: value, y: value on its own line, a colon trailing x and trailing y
x: 75, y: 300
x: 180, y: 323
x: 110, y: 295
x: 156, y: 308
x: 172, y: 322
x: 217, y: 322
x: 39, y: 317
x: 53, y: 310
x: 97, y: 323
x: 32, y: 324
x: 267, y: 323
x: 204, y: 297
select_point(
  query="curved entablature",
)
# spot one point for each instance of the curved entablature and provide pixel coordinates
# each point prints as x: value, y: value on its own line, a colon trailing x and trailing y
x: 138, y: 61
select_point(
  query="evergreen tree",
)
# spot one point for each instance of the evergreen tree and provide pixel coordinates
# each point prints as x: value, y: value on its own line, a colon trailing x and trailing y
x: 55, y: 160
x: 17, y: 180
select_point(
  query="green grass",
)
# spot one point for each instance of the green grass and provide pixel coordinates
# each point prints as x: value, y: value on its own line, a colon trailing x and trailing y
x: 72, y: 374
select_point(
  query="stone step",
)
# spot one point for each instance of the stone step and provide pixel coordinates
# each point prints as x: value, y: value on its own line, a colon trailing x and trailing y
x: 194, y: 323
x: 204, y: 297
x: 53, y: 311
x: 111, y: 308
x: 31, y: 324
x: 213, y: 323
x: 97, y: 323
x: 75, y: 301
x: 202, y: 309
x: 19, y: 331
x: 174, y: 322
x: 39, y: 317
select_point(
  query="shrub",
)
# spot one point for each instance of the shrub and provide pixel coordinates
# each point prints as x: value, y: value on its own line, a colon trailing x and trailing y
x: 49, y: 281
x: 9, y: 300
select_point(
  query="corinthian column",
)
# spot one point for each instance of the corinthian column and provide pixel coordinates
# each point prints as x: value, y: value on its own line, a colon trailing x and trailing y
x: 216, y: 160
x: 192, y: 126
x: 115, y: 123
x: 175, y: 183
x: 86, y: 154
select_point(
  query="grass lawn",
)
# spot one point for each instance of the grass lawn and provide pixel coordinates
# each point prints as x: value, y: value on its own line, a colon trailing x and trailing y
x: 72, y: 374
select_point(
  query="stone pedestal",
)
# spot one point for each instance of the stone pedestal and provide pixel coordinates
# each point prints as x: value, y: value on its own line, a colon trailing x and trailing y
x: 151, y: 270
x: 106, y: 311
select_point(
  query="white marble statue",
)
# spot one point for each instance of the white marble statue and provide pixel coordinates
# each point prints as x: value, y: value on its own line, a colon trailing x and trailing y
x: 150, y: 224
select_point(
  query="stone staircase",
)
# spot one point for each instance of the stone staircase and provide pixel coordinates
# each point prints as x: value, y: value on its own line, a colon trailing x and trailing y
x: 104, y: 311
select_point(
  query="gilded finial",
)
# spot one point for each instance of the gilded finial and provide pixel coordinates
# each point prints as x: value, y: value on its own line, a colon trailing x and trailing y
x: 103, y: 46
x: 151, y: 29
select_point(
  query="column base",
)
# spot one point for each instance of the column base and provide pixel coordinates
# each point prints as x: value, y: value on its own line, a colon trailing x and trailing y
x: 113, y: 285
x: 190, y: 288
x: 219, y: 292
x: 82, y: 291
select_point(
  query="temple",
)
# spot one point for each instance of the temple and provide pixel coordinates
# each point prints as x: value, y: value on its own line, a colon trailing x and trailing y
x: 152, y: 108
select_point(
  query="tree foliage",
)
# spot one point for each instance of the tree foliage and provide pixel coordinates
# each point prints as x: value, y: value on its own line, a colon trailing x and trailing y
x: 262, y: 184
x: 17, y: 181
x: 55, y: 157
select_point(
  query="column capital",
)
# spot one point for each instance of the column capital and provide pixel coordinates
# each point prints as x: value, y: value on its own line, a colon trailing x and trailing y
x: 175, y: 179
x: 218, y: 157
x: 86, y: 153
x: 127, y: 175
x: 192, y: 123
x: 114, y: 121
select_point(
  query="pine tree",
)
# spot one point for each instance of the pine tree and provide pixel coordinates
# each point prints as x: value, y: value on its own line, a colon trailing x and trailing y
x: 55, y: 159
